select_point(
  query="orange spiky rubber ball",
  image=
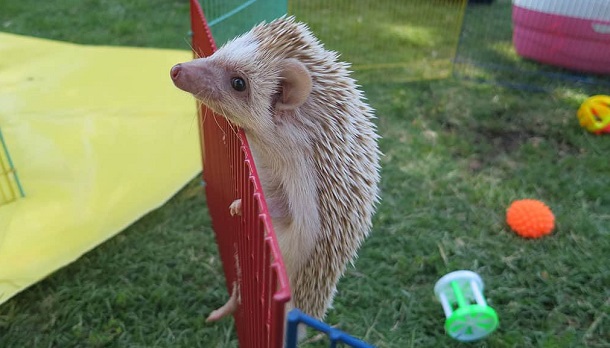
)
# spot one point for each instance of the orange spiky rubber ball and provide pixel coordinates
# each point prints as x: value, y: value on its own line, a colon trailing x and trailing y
x: 530, y: 218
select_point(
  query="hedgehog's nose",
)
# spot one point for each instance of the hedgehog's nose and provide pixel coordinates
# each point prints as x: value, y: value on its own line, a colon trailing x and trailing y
x: 175, y: 72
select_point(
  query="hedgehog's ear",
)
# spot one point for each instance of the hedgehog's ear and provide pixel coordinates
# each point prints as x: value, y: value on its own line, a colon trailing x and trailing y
x: 296, y: 85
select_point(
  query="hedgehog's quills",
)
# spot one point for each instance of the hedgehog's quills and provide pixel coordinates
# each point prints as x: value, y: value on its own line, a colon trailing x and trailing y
x: 313, y: 141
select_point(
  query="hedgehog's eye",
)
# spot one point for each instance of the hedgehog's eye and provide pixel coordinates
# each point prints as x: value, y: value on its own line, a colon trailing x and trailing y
x: 238, y: 84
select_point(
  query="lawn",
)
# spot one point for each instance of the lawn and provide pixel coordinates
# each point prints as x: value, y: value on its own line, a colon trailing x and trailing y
x: 456, y: 154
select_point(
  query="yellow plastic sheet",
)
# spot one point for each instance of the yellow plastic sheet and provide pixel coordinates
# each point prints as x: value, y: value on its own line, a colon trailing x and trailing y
x: 99, y: 137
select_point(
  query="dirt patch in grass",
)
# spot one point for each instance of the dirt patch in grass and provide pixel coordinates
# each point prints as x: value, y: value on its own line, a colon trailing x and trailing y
x: 505, y: 140
x: 491, y: 144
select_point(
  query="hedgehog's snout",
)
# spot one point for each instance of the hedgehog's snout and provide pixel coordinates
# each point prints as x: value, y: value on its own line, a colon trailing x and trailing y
x: 175, y: 72
x: 201, y: 78
x: 188, y: 77
x: 178, y: 77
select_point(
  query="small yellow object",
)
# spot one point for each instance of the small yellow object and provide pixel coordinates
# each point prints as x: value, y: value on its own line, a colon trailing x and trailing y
x: 594, y: 114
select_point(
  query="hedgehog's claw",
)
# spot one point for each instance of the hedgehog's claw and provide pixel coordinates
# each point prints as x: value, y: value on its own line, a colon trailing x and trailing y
x: 235, y: 207
x: 227, y: 309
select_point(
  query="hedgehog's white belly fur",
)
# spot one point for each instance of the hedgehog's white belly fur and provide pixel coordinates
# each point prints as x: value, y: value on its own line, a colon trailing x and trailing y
x: 288, y: 183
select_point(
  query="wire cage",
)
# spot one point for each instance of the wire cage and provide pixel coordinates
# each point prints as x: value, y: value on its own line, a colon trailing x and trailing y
x: 537, y: 44
x: 468, y: 39
x: 10, y: 186
x: 230, y: 18
x: 423, y: 35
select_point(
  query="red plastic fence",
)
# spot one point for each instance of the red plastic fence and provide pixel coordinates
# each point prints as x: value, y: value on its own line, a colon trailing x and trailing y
x: 247, y: 243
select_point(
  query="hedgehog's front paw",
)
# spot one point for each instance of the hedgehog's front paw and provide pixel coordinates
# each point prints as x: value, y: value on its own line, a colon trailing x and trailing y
x: 235, y: 207
x: 228, y: 308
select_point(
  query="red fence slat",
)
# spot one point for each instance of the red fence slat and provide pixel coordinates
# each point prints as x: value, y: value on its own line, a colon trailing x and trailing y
x: 247, y: 244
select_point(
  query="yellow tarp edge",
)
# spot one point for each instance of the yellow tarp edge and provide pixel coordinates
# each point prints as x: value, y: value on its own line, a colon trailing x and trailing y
x: 99, y: 137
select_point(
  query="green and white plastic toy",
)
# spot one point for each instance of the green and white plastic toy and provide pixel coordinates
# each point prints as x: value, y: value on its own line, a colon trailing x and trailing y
x: 468, y: 317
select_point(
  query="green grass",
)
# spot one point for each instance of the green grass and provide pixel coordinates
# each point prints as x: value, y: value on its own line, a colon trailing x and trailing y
x: 99, y: 22
x: 456, y: 155
x: 417, y: 40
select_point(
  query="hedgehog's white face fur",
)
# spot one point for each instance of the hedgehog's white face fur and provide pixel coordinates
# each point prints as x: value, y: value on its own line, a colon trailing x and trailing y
x: 313, y: 141
x: 245, y: 85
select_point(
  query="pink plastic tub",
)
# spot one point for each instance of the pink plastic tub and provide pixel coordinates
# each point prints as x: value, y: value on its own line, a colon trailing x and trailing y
x: 573, y: 34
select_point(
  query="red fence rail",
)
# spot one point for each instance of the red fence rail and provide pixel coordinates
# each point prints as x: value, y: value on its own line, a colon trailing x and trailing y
x: 248, y: 247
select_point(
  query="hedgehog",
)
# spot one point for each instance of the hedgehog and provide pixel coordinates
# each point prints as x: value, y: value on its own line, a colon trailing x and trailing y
x: 314, y: 143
